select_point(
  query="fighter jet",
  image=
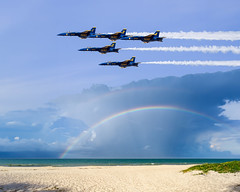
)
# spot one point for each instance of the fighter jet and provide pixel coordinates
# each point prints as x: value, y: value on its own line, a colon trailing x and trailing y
x: 123, y: 64
x: 145, y: 39
x: 113, y: 36
x: 103, y: 50
x: 82, y: 35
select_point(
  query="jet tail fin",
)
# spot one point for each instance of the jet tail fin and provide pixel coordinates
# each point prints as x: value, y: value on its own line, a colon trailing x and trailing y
x: 133, y: 59
x: 113, y: 44
x: 93, y: 31
x: 157, y: 33
x: 124, y: 32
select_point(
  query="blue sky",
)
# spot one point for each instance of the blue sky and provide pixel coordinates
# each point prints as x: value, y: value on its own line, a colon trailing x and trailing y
x: 43, y: 75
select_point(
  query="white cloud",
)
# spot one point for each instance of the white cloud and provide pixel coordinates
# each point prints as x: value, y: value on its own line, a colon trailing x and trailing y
x: 13, y: 123
x: 34, y: 124
x: 16, y: 138
x: 93, y: 136
x: 231, y: 110
x: 227, y: 140
x: 146, y: 147
x: 29, y: 145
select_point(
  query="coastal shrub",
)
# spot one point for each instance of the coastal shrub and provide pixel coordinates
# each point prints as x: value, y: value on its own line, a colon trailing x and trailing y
x: 227, y: 167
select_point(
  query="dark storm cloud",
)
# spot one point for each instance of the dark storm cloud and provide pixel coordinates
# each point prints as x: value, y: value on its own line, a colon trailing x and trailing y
x: 151, y: 133
x: 161, y: 133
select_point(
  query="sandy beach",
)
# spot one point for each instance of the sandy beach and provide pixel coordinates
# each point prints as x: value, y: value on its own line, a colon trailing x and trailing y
x: 161, y: 178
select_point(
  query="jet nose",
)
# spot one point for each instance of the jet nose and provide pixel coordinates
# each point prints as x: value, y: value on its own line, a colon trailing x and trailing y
x: 62, y: 34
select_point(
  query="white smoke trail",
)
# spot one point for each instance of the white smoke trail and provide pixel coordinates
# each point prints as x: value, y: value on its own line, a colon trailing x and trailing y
x: 233, y: 63
x: 205, y: 35
x: 204, y: 49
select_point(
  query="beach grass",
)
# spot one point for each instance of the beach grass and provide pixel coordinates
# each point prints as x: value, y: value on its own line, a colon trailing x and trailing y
x: 227, y: 167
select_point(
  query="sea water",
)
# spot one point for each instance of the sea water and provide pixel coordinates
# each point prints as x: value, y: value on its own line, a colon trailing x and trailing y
x: 104, y: 162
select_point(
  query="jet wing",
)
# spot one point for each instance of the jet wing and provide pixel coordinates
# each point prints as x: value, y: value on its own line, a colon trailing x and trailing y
x: 87, y: 31
x: 84, y: 34
x: 115, y: 36
x: 117, y: 33
x: 124, y: 64
x: 149, y: 36
x: 106, y: 47
x: 104, y: 50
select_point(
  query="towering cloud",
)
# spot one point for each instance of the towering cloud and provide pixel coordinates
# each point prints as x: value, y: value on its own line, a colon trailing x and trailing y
x: 114, y: 132
x: 164, y: 117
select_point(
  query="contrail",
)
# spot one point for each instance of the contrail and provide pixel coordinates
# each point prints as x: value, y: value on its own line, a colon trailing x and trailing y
x: 204, y: 49
x: 205, y: 35
x: 233, y: 63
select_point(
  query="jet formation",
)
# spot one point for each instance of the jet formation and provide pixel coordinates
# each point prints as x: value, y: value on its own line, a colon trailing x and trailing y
x: 111, y: 48
x: 114, y: 36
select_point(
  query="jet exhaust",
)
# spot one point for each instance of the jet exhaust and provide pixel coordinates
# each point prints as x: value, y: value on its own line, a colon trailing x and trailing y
x: 204, y: 49
x: 233, y: 63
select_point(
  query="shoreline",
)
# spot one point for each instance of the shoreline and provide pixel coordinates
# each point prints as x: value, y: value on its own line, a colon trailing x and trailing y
x: 79, y: 166
x: 105, y: 162
x: 143, y: 178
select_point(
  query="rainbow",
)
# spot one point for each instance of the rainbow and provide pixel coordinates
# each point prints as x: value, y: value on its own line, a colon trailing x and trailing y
x: 134, y: 110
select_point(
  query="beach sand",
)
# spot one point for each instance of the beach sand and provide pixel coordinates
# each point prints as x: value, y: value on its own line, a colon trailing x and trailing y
x: 159, y: 178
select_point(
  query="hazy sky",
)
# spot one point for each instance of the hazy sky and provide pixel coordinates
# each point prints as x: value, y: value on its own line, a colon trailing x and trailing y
x: 43, y: 77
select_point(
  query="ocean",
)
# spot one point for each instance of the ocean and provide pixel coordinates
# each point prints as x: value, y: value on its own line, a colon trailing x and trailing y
x: 104, y: 162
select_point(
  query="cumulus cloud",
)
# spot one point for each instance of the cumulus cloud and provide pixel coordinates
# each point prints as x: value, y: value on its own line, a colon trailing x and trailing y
x: 226, y: 140
x: 231, y: 110
x: 40, y: 133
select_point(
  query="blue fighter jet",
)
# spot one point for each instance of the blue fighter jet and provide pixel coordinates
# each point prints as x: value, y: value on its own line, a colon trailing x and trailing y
x: 123, y: 64
x: 103, y: 50
x: 113, y: 36
x: 145, y: 39
x: 82, y: 35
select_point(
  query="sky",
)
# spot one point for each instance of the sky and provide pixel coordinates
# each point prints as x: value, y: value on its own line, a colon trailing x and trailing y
x: 57, y: 102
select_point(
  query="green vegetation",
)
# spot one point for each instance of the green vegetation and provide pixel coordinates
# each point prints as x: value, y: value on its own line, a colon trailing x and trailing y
x: 227, y: 167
